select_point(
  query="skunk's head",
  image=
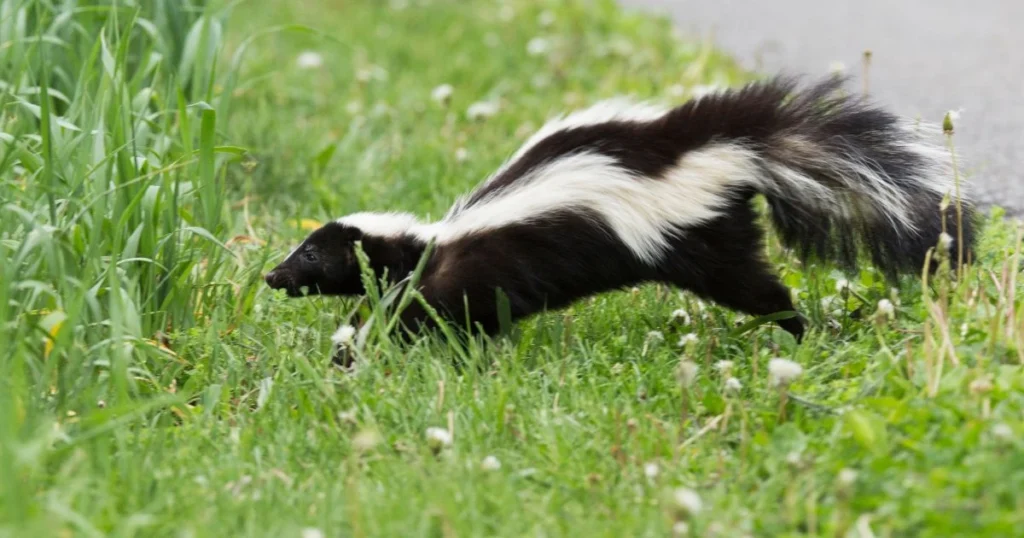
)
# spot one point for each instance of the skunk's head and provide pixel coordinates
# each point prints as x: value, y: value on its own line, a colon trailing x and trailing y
x: 324, y: 264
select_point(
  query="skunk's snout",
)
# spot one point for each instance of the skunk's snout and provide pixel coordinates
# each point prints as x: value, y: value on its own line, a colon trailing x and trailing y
x: 275, y: 279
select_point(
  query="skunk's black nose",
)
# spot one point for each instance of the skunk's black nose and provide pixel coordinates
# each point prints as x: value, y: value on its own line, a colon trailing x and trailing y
x: 271, y: 279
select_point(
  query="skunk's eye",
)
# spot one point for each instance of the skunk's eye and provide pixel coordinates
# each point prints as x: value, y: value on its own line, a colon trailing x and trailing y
x: 310, y: 256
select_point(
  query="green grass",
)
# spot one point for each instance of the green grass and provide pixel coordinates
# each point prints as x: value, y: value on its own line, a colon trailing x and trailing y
x: 155, y: 161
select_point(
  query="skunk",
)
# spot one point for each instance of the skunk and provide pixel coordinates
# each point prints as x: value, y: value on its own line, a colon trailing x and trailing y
x: 627, y: 192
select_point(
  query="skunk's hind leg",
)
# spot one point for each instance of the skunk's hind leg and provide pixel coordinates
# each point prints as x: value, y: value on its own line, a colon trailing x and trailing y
x: 722, y: 261
x: 753, y: 289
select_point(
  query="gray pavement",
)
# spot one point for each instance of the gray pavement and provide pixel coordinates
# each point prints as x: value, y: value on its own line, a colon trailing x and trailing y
x: 928, y: 56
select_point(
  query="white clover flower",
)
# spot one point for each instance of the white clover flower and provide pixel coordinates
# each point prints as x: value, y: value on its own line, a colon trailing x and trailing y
x: 309, y: 60
x: 733, y: 385
x: 687, y: 338
x: 724, y: 367
x: 651, y: 470
x: 656, y: 336
x: 783, y: 371
x: 681, y: 316
x: 442, y: 93
x: 687, y: 502
x: 438, y: 438
x: 546, y: 18
x: 461, y: 155
x: 482, y: 110
x: 344, y: 336
x: 538, y: 46
x: 945, y: 241
x: 842, y: 285
x: 312, y: 532
x: 1002, y: 432
x: 680, y: 528
x: 687, y: 372
x: 490, y: 463
x: 846, y: 477
x: 885, y: 308
x: 793, y: 459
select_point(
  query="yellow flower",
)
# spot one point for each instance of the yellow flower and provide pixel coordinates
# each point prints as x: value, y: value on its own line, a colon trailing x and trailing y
x: 309, y: 224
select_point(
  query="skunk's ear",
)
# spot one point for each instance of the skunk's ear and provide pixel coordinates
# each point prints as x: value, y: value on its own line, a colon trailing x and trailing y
x: 352, y: 233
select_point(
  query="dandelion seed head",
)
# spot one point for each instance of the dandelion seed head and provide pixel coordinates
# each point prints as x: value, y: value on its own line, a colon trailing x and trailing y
x: 687, y: 372
x: 842, y: 285
x: 442, y: 94
x: 546, y: 18
x: 438, y: 438
x: 482, y: 110
x: 538, y: 46
x: 1003, y: 432
x: 723, y: 366
x: 783, y: 371
x: 846, y: 477
x: 681, y: 316
x: 461, y: 155
x: 945, y: 241
x: 344, y: 336
x: 733, y: 385
x: 885, y: 308
x: 687, y: 502
x: 490, y: 463
x: 687, y: 339
x: 309, y: 60
x: 651, y: 470
x: 312, y: 532
x: 655, y: 336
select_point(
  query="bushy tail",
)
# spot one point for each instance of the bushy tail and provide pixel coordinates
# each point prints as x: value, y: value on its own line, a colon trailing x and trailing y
x: 842, y: 173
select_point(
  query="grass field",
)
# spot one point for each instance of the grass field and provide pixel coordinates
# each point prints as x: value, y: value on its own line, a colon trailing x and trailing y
x: 155, y: 161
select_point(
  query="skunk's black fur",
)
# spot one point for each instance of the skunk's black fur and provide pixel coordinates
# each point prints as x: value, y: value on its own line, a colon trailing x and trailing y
x: 840, y: 176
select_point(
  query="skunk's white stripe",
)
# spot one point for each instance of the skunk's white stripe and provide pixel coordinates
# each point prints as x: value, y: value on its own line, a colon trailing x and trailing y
x: 614, y: 109
x: 381, y: 224
x: 641, y: 211
x: 937, y: 174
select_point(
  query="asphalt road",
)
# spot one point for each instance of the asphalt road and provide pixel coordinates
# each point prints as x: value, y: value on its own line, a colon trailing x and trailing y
x: 928, y: 56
